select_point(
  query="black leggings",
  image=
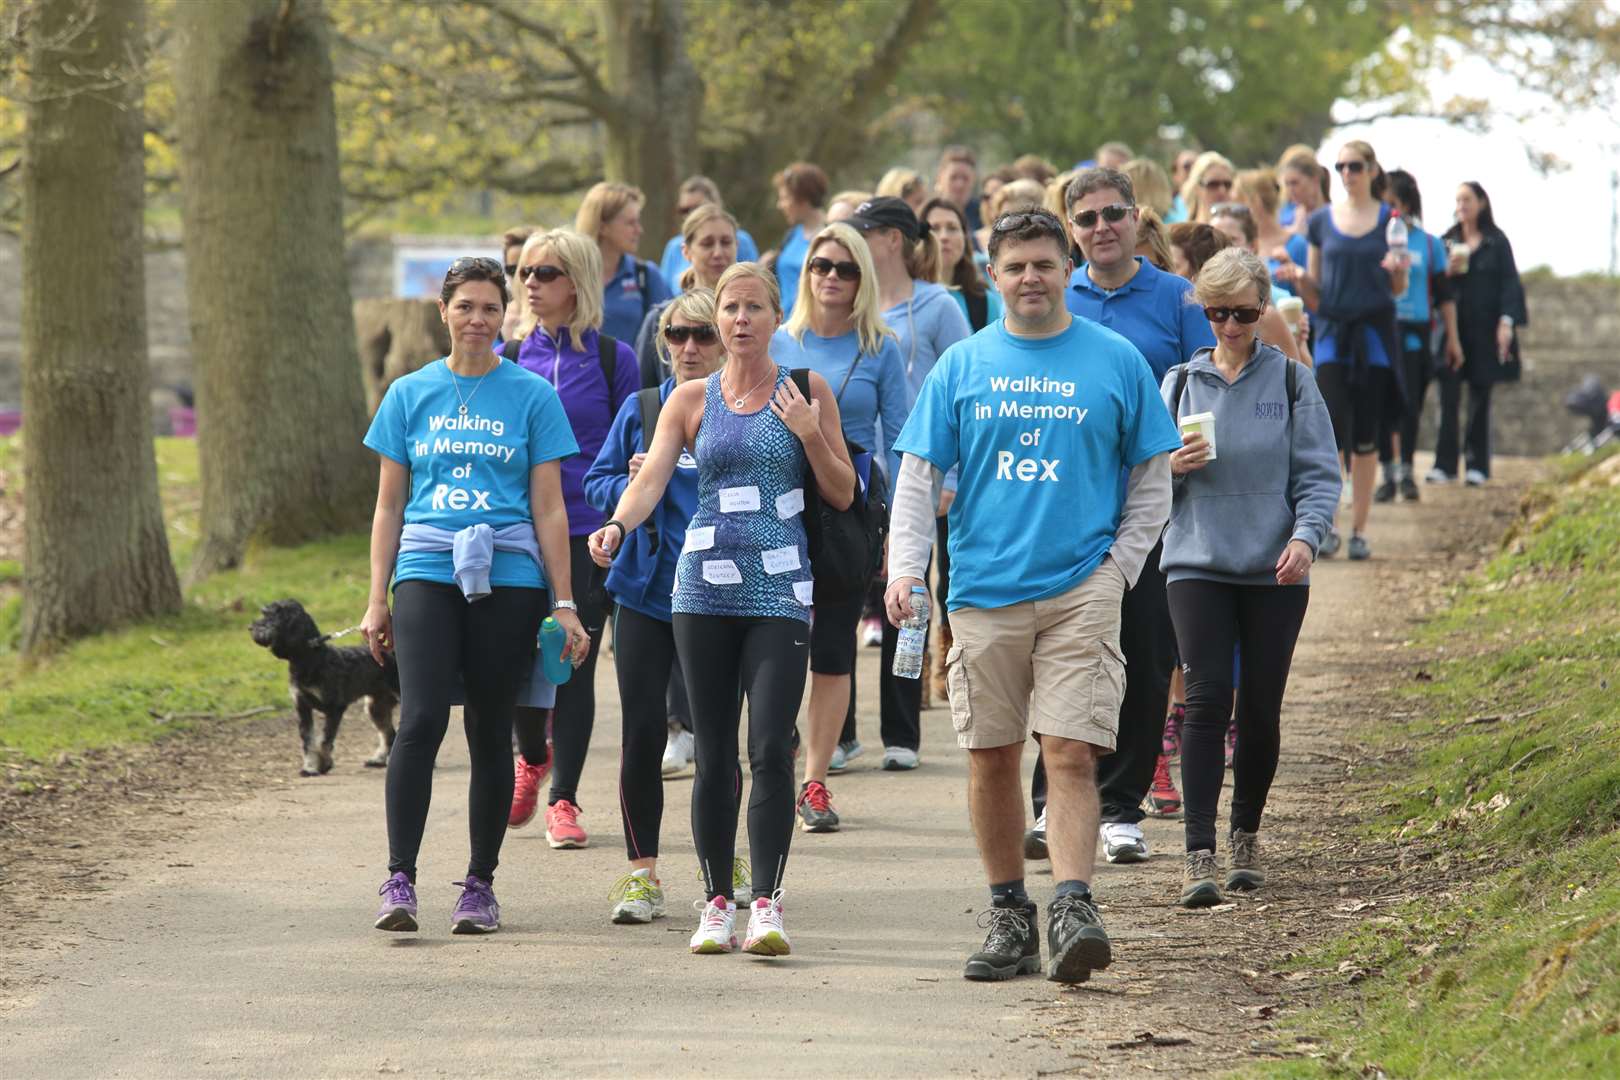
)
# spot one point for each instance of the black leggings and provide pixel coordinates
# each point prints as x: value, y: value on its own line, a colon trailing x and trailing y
x: 575, y: 713
x: 490, y: 644
x: 643, y: 657
x: 1211, y: 618
x: 726, y: 658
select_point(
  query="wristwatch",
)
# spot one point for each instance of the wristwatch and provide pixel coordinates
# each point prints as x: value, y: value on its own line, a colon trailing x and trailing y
x: 565, y: 605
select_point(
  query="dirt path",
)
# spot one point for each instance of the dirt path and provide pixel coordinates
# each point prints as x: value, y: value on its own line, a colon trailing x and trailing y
x: 198, y: 911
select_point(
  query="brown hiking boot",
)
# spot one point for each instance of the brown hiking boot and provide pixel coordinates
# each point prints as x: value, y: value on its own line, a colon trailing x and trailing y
x: 1198, y: 881
x: 1243, y: 862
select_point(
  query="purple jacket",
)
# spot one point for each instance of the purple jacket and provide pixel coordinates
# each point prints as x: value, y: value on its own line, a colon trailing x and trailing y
x: 590, y: 404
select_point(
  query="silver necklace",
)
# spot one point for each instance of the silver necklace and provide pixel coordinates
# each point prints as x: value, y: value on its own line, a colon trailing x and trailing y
x: 737, y: 402
x: 456, y: 382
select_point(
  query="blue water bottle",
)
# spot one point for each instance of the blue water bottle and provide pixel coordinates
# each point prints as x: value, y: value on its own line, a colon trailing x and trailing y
x: 553, y: 640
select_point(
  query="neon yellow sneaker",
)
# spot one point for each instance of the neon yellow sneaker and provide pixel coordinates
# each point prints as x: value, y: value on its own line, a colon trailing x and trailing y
x: 640, y: 898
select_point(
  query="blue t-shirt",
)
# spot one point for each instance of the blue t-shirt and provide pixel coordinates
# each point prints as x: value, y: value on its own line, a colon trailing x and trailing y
x: 674, y: 264
x: 1042, y: 428
x: 789, y: 264
x: 624, y: 306
x: 1353, y: 283
x: 470, y: 469
x: 1153, y: 311
x: 876, y: 390
x: 1426, y: 252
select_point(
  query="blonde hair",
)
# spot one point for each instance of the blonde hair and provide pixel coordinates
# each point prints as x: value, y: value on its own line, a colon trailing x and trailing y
x: 1227, y: 272
x: 581, y: 260
x: 1192, y: 194
x: 1295, y: 154
x: 1150, y: 233
x: 1052, y: 195
x: 870, y: 328
x: 1150, y: 184
x: 900, y: 183
x: 604, y: 202
x: 696, y: 305
x: 1020, y: 194
x: 756, y: 272
x: 699, y: 217
x: 1261, y: 186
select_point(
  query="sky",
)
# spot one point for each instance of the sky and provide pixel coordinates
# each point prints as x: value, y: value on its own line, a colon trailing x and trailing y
x: 1561, y: 220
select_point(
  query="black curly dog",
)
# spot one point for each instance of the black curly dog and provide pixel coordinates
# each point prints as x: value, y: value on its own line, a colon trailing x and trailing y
x: 327, y: 679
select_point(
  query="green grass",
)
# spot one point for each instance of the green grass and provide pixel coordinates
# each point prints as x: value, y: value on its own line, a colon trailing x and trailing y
x: 1517, y: 973
x: 200, y: 663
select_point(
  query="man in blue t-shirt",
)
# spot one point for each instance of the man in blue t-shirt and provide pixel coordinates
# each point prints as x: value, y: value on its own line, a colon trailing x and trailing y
x: 1155, y: 312
x: 1424, y: 313
x: 1042, y: 412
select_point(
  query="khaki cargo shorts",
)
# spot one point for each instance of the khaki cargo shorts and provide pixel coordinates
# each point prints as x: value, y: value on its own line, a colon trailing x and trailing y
x: 1051, y: 666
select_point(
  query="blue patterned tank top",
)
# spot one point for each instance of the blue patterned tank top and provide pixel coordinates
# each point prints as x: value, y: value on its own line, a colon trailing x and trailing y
x: 745, y: 552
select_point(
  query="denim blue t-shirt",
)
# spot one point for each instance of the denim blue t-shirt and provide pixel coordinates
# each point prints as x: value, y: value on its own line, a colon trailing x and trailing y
x: 1042, y: 428
x: 624, y: 305
x: 789, y: 264
x: 876, y: 390
x: 470, y: 469
x: 1353, y: 283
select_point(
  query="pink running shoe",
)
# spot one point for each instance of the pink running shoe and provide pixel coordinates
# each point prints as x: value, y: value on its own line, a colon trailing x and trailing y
x: 1172, y: 730
x: 1231, y: 741
x: 1163, y: 798
x: 562, y: 826
x: 526, y: 781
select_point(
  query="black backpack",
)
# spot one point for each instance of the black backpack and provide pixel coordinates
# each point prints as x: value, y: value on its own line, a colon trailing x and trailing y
x: 607, y: 354
x: 1290, y: 382
x: 846, y: 546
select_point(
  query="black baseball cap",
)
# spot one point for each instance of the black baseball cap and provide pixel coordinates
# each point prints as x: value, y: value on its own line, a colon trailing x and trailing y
x: 886, y: 212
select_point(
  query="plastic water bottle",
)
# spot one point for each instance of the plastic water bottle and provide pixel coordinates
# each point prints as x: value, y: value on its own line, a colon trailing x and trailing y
x: 553, y: 639
x: 1395, y: 235
x: 908, y: 650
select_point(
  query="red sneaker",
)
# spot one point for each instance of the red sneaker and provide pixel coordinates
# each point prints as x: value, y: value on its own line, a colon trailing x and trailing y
x: 1163, y: 798
x: 526, y: 781
x: 562, y: 826
x: 1172, y: 730
x: 1231, y: 741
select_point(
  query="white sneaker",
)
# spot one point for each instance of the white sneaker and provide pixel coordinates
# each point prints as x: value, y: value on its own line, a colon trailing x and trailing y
x: 766, y: 935
x: 1474, y: 478
x: 843, y: 754
x: 899, y: 758
x: 717, y: 929
x: 640, y: 898
x: 1437, y: 476
x: 871, y: 632
x: 1123, y: 843
x: 678, y: 751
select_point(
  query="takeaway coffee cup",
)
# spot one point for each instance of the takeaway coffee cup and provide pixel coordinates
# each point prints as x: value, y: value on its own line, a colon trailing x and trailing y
x: 1457, y: 252
x: 1204, y: 424
x: 1291, y: 308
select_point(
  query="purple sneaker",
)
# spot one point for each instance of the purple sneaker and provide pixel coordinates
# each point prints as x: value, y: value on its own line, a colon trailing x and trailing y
x: 398, y: 910
x: 476, y: 912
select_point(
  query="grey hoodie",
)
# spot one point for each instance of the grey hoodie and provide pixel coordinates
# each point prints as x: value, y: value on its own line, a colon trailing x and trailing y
x: 1272, y: 481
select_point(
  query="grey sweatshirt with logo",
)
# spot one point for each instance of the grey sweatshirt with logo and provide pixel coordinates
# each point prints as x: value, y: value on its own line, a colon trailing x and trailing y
x: 1275, y: 477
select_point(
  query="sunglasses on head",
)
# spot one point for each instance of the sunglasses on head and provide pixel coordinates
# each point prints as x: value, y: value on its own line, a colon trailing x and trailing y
x: 546, y: 274
x: 1231, y: 209
x: 1352, y: 167
x: 846, y: 271
x: 1113, y: 213
x: 1224, y: 185
x: 1244, y: 315
x: 474, y: 262
x: 679, y: 335
x: 1014, y: 222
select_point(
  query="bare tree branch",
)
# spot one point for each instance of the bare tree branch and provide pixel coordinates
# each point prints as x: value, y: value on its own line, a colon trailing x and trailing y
x: 601, y: 101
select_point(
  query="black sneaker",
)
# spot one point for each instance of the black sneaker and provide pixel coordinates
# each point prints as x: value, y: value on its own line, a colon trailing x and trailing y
x: 1385, y: 492
x: 1409, y: 488
x: 1035, y: 840
x: 1075, y: 935
x: 1013, y: 946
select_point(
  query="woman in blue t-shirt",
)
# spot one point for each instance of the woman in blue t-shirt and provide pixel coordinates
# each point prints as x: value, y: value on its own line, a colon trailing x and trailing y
x: 801, y: 197
x: 1352, y: 278
x: 641, y: 581
x: 835, y: 330
x: 469, y: 506
x: 610, y: 214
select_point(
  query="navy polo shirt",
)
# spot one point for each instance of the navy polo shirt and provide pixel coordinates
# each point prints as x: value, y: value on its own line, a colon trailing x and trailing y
x: 623, y: 305
x: 1153, y: 311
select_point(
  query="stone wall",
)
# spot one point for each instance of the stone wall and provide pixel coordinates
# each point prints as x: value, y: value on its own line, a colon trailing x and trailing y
x: 1574, y: 331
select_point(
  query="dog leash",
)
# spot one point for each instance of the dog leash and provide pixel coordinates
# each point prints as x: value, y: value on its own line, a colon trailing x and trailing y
x: 324, y: 638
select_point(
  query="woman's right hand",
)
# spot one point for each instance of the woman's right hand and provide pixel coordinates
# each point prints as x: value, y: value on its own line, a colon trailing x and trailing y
x: 1193, y: 455
x: 377, y: 630
x: 603, y: 543
x: 635, y: 464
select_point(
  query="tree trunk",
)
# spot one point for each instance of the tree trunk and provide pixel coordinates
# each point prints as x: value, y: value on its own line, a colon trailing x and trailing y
x: 95, y: 553
x: 652, y: 142
x: 280, y: 410
x: 396, y: 337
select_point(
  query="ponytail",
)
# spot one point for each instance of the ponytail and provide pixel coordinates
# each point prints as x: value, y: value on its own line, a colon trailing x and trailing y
x: 688, y: 279
x: 922, y: 257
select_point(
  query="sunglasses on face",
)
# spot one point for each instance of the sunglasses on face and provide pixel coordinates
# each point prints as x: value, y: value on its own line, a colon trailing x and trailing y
x: 511, y: 270
x: 546, y: 274
x: 1207, y: 185
x: 1113, y: 213
x: 1244, y: 315
x: 1352, y: 167
x: 846, y: 271
x: 1231, y: 209
x: 679, y: 335
x: 471, y: 262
